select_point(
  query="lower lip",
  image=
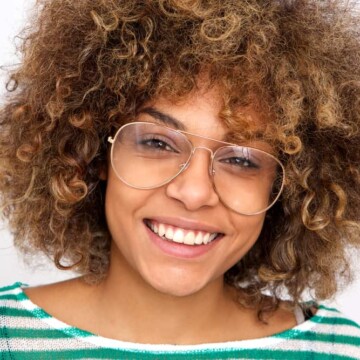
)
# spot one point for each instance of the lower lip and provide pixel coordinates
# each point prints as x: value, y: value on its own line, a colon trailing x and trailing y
x: 180, y: 250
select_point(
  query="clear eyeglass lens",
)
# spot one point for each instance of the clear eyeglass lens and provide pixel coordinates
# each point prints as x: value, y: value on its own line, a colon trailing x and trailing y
x: 248, y: 180
x: 147, y: 155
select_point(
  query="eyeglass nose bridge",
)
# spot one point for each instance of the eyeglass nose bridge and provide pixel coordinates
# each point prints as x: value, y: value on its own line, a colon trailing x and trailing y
x: 212, y: 154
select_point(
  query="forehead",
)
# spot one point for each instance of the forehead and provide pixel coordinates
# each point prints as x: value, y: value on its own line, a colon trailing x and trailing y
x: 206, y: 112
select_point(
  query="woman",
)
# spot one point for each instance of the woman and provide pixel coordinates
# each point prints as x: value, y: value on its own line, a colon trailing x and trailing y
x: 197, y: 163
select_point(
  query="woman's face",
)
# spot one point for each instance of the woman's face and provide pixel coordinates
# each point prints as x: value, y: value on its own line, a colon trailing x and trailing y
x: 188, y: 204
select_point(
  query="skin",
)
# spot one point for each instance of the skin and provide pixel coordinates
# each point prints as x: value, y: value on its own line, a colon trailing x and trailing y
x: 150, y: 296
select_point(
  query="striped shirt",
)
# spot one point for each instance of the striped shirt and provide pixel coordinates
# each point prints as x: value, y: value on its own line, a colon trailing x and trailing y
x: 28, y: 332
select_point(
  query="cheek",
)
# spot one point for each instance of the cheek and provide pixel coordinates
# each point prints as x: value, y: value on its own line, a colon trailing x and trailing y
x: 246, y: 232
x: 125, y: 208
x: 121, y: 205
x: 249, y: 226
x: 255, y: 225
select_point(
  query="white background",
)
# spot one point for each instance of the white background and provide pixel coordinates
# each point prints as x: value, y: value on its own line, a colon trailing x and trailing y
x: 12, y: 18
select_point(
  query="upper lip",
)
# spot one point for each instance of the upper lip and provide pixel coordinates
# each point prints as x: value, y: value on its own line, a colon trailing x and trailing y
x: 187, y: 224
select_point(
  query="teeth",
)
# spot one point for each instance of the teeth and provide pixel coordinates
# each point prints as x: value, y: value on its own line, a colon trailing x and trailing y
x: 169, y: 233
x: 206, y: 238
x: 189, y: 238
x: 182, y: 236
x: 178, y: 236
x: 213, y: 236
x: 199, y: 239
x: 162, y: 230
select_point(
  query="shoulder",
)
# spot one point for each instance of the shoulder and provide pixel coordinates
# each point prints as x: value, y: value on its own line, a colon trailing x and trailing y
x: 27, y: 329
x: 16, y: 307
x: 329, y: 331
x: 72, y: 302
x: 330, y: 320
x: 16, y: 314
x: 21, y: 305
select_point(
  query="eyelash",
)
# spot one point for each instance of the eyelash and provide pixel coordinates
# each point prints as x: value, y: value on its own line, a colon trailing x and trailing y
x: 250, y: 164
x: 156, y: 140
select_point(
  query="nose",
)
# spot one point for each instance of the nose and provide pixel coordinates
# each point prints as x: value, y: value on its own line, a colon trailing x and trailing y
x: 194, y: 186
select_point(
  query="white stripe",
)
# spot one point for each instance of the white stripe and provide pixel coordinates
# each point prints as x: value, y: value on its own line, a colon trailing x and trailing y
x: 34, y: 323
x: 19, y: 305
x: 14, y: 291
x: 347, y: 330
x: 321, y: 347
x: 44, y: 344
x: 244, y: 344
x: 332, y: 314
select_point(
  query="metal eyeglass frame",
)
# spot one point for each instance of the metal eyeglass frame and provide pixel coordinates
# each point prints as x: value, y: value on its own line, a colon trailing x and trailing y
x: 184, y: 166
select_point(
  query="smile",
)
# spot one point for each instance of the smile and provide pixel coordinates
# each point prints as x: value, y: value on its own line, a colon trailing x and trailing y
x: 179, y: 235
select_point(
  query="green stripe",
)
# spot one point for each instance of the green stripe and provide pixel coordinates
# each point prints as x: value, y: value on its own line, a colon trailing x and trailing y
x: 334, y: 321
x: 38, y: 313
x: 315, y: 336
x: 329, y: 308
x: 39, y: 334
x: 206, y: 354
x: 18, y: 297
x: 11, y: 287
x: 17, y: 333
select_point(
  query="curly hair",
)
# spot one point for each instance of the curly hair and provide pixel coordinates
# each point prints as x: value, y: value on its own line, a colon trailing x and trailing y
x: 89, y: 65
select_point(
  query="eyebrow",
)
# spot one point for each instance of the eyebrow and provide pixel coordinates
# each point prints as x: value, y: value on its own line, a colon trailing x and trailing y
x: 170, y: 121
x: 164, y: 118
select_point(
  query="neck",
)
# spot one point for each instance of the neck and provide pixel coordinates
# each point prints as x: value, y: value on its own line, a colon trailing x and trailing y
x: 137, y: 312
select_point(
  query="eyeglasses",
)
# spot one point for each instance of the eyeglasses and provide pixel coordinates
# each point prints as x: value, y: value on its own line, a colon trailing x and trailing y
x: 146, y: 155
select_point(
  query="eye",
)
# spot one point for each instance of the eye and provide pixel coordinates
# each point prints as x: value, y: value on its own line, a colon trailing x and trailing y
x: 153, y: 142
x: 240, y: 162
x: 240, y: 158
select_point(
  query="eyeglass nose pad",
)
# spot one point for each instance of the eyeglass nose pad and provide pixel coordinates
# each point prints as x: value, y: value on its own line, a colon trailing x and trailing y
x: 183, y: 167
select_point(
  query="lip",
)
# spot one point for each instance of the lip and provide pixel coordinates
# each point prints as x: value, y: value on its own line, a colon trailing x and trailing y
x: 187, y: 224
x: 177, y: 250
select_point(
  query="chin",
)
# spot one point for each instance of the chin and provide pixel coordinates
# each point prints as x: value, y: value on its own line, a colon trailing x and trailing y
x: 176, y: 291
x: 178, y: 286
